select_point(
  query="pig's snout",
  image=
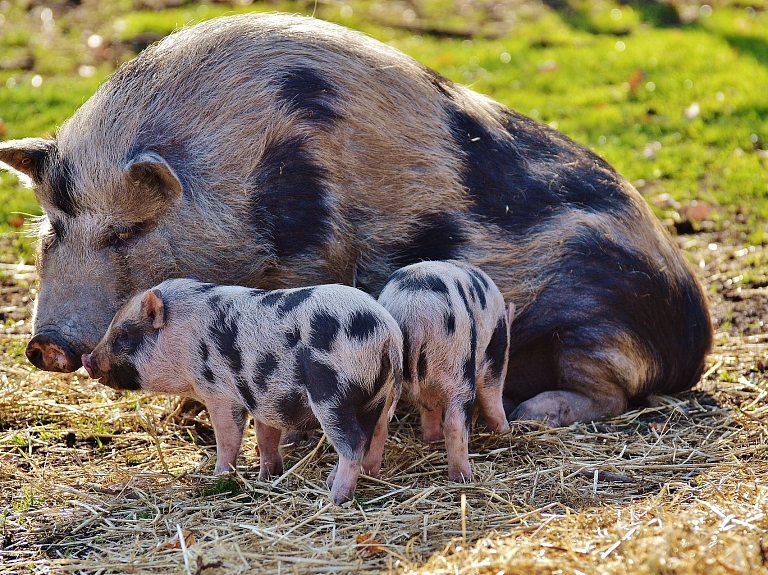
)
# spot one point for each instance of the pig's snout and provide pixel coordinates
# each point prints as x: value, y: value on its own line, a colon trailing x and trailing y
x: 49, y: 352
x: 86, y: 358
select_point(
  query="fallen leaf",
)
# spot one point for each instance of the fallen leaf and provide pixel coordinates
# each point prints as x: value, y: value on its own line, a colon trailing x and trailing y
x: 367, y: 546
x: 175, y: 543
x: 658, y: 427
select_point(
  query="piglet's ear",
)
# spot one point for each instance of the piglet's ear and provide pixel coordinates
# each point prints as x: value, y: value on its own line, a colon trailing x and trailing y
x: 149, y: 172
x: 26, y: 157
x: 152, y: 308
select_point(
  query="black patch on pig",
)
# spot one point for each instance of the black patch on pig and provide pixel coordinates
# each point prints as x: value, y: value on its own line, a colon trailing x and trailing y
x: 62, y: 187
x: 436, y: 237
x: 479, y: 277
x: 324, y: 329
x: 468, y: 407
x: 429, y: 282
x: 479, y: 290
x: 223, y: 331
x: 421, y: 366
x: 497, y: 348
x: 449, y: 322
x: 362, y: 325
x: 288, y: 197
x: 264, y: 370
x: 309, y: 94
x: 205, y: 287
x: 608, y: 288
x: 355, y: 413
x: 213, y: 302
x: 470, y: 364
x: 293, y: 299
x: 130, y: 338
x: 271, y: 299
x: 123, y: 375
x: 207, y: 372
x: 521, y: 176
x: 293, y: 337
x: 245, y: 392
x: 321, y: 379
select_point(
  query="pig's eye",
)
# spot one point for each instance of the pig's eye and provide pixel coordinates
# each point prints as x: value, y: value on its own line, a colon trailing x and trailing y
x: 47, y: 242
x: 119, y: 236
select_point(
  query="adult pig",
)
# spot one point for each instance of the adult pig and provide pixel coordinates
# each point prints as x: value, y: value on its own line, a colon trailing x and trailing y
x: 294, y: 359
x: 279, y: 151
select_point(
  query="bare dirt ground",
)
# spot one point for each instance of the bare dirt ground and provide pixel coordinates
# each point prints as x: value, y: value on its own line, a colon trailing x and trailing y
x: 94, y: 481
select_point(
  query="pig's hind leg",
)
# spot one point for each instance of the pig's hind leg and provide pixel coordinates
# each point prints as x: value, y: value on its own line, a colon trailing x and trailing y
x: 270, y: 458
x: 372, y: 458
x: 359, y: 441
x: 460, y: 404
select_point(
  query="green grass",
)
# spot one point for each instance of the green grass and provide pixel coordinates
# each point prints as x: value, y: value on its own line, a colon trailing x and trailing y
x: 616, y: 77
x: 224, y: 485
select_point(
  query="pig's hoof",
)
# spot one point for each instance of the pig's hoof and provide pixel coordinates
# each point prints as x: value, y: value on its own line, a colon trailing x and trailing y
x: 460, y: 477
x: 342, y: 498
x: 461, y: 474
x: 270, y: 472
x: 224, y: 469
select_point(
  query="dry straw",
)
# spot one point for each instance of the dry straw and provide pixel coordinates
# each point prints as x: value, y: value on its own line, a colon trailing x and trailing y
x: 92, y: 481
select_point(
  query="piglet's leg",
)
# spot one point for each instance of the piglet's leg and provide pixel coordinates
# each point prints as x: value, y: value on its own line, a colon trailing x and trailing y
x: 345, y: 480
x: 456, y: 429
x: 229, y: 433
x: 372, y: 458
x: 490, y: 402
x: 271, y: 461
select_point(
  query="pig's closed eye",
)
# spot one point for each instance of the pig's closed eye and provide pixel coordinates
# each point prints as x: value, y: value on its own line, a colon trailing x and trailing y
x: 119, y: 236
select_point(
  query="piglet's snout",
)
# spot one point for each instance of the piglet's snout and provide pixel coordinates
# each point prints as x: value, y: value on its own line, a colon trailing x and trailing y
x: 86, y: 358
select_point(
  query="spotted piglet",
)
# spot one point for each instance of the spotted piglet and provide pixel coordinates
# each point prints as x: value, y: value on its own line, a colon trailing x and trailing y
x: 293, y: 359
x: 456, y: 339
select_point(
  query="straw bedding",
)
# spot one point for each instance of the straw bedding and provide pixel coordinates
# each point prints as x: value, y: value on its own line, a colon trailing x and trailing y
x: 94, y: 481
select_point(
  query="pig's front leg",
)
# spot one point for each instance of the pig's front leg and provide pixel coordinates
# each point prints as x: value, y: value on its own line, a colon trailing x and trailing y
x: 228, y: 425
x: 270, y: 459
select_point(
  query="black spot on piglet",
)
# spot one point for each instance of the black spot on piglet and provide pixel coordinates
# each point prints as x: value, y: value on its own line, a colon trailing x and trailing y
x: 325, y: 328
x: 497, y: 348
x: 362, y: 325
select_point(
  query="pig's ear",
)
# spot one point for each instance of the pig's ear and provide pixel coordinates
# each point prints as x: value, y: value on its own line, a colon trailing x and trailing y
x: 150, y: 172
x: 152, y: 308
x: 26, y: 157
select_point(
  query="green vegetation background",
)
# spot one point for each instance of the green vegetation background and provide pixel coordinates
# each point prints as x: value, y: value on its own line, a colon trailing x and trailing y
x: 675, y: 96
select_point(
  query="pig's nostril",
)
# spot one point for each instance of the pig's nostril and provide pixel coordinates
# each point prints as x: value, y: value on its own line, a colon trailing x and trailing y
x: 35, y: 356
